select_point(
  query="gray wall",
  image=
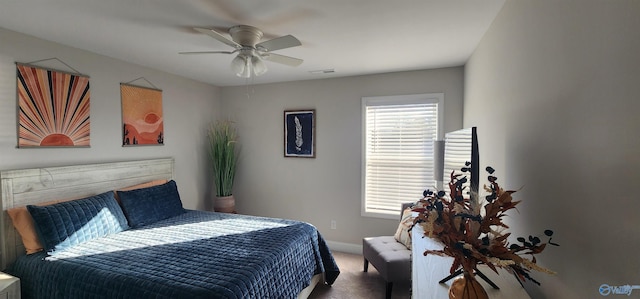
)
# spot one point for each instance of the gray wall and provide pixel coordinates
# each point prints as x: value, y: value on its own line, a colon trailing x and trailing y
x: 328, y: 187
x: 553, y: 88
x: 188, y: 107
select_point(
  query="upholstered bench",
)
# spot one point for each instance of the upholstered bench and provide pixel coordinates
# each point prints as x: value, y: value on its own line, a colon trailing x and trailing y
x: 391, y: 258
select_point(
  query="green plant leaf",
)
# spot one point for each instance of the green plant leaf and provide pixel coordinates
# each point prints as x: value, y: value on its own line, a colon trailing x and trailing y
x: 224, y: 156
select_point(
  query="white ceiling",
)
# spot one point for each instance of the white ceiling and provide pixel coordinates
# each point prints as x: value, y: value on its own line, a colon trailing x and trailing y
x: 354, y: 37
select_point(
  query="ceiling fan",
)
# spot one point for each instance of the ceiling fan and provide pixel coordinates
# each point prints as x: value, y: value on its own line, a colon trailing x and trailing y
x: 251, y: 52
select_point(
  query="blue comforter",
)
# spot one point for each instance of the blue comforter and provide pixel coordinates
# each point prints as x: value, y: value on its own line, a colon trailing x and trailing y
x: 194, y: 255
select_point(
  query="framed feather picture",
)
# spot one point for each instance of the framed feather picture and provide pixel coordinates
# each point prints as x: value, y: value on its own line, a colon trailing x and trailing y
x: 142, y: 119
x: 53, y: 108
x: 299, y: 133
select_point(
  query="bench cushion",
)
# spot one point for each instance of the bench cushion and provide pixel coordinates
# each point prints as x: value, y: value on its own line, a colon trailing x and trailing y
x: 391, y: 258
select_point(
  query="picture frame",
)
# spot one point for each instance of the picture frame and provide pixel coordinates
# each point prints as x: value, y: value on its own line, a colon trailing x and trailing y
x: 53, y: 108
x: 142, y: 116
x: 300, y: 133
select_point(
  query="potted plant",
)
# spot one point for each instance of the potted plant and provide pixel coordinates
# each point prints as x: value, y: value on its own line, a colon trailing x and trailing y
x: 223, y: 153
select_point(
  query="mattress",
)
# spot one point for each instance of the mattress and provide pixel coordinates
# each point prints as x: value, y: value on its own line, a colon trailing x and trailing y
x: 193, y: 255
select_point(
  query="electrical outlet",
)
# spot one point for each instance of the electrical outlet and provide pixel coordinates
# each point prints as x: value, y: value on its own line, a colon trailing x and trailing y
x: 333, y: 224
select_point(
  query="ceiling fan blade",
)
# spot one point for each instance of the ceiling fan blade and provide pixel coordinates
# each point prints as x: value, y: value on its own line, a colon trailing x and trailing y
x: 278, y: 43
x: 287, y: 60
x: 221, y: 38
x: 208, y: 52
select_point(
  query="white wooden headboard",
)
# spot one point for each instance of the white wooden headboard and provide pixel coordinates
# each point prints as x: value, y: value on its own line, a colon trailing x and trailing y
x: 31, y: 186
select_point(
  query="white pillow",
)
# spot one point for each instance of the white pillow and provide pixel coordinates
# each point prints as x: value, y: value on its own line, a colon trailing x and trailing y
x: 403, y: 233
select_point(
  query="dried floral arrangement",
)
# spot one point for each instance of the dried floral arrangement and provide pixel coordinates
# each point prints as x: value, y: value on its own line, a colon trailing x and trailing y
x: 472, y: 238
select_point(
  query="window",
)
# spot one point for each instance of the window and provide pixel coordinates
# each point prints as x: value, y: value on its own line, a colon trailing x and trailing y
x: 398, y: 148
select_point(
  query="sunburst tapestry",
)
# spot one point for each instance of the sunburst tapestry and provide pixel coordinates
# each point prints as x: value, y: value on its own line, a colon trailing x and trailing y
x: 141, y: 115
x: 53, y: 108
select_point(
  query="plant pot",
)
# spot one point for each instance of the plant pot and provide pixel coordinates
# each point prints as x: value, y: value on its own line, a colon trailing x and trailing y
x: 225, y: 204
x: 467, y: 287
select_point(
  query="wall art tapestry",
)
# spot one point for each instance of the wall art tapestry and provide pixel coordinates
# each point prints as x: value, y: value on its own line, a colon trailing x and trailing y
x: 142, y: 120
x: 299, y: 133
x: 53, y: 108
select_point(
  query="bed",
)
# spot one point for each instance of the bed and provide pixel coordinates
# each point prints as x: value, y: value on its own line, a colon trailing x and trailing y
x: 144, y: 244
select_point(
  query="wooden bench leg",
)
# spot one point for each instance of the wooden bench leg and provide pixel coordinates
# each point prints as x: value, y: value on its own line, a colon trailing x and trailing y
x: 366, y: 265
x: 389, y: 288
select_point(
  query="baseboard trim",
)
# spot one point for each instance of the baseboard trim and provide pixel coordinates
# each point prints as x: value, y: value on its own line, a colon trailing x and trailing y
x: 345, y: 247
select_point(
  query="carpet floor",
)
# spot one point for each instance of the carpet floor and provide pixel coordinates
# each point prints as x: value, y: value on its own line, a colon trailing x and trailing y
x: 354, y: 283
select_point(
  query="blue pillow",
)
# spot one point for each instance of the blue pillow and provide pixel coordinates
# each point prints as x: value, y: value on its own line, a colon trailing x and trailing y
x: 145, y: 206
x: 65, y: 224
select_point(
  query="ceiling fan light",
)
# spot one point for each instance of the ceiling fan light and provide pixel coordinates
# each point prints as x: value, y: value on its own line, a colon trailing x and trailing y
x: 238, y: 65
x: 246, y: 72
x: 259, y: 67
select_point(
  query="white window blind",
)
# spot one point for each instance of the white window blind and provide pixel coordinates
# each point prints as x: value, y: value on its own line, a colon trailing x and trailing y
x: 398, y: 151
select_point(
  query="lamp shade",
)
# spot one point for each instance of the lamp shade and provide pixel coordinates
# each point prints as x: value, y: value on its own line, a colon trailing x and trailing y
x: 246, y: 65
x: 246, y: 73
x: 238, y: 65
x: 259, y: 67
